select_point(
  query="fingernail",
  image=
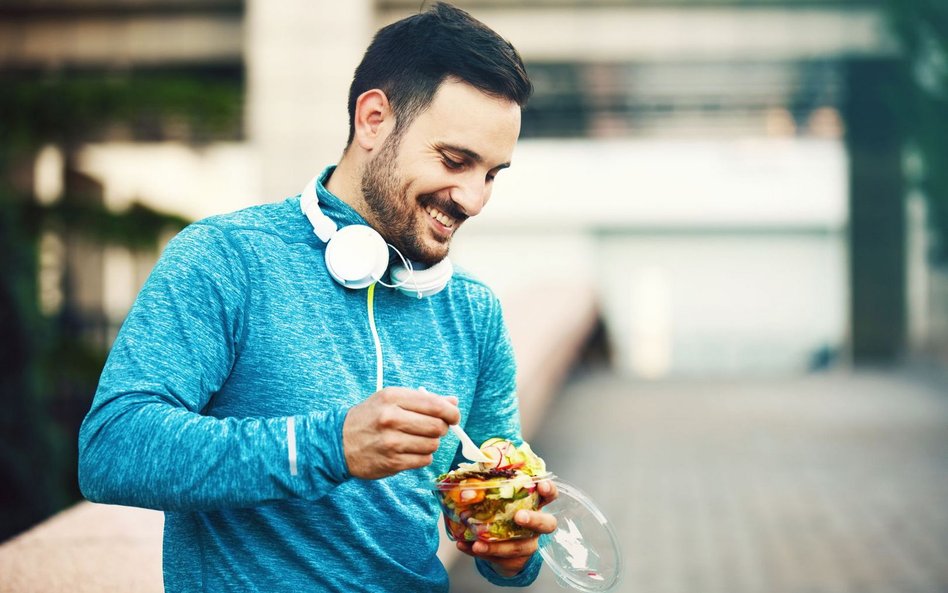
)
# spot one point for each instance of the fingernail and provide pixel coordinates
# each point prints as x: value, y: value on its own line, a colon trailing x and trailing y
x: 522, y: 516
x: 479, y: 547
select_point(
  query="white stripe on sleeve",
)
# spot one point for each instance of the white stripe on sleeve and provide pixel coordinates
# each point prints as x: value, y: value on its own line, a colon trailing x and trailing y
x: 291, y: 443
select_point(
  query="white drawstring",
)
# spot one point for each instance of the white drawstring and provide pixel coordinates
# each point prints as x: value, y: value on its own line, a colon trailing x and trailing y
x: 370, y: 299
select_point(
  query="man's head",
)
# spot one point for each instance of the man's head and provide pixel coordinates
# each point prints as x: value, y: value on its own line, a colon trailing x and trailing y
x: 409, y: 59
x: 434, y: 115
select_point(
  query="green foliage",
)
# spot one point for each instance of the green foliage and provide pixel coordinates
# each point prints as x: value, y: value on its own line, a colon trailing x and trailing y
x: 66, y: 108
x: 27, y: 440
x: 138, y: 228
x: 48, y: 368
x: 48, y: 372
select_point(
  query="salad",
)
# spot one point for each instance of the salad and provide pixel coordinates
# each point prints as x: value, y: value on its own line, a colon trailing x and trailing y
x: 479, y: 500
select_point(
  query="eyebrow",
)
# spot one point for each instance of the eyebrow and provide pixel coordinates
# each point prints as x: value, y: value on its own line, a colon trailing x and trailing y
x: 474, y: 156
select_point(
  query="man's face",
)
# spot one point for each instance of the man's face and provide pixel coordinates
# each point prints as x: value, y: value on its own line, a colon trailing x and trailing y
x: 421, y: 186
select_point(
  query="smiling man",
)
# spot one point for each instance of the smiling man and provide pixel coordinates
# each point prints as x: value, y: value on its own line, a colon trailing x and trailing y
x: 283, y: 386
x: 418, y: 183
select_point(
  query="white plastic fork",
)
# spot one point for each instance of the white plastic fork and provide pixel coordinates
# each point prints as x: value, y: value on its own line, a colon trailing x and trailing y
x: 469, y: 450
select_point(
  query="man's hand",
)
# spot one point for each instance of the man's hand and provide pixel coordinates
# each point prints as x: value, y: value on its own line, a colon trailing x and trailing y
x: 509, y: 557
x: 396, y: 429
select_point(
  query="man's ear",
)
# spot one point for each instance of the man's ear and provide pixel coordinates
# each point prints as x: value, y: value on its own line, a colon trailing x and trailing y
x: 374, y: 119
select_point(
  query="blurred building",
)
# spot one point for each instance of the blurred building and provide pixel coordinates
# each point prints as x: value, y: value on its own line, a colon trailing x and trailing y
x: 688, y: 158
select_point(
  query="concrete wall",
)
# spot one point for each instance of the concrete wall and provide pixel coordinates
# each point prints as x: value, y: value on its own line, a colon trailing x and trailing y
x: 585, y: 31
x: 300, y: 56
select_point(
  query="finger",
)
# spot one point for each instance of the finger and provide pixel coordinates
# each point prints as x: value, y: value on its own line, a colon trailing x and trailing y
x: 410, y: 444
x: 465, y: 547
x: 536, y: 521
x: 396, y: 410
x: 413, y: 423
x: 451, y: 398
x: 429, y: 404
x: 546, y: 488
x: 514, y: 548
x: 547, y: 491
x: 411, y: 461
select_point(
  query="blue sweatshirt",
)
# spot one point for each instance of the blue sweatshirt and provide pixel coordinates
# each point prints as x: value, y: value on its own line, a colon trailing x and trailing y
x: 224, y: 395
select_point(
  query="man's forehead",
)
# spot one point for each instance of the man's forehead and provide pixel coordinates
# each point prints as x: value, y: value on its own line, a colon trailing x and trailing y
x: 464, y: 119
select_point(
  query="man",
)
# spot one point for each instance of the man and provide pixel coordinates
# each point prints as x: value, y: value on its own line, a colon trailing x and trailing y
x: 275, y: 392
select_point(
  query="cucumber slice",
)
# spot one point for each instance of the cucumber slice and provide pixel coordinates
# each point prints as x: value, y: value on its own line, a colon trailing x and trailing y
x: 492, y: 441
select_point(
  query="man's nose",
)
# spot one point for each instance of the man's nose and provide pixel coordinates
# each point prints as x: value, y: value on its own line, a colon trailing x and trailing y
x: 471, y: 194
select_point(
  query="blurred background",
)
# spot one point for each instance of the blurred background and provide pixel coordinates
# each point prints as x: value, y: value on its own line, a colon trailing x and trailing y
x: 756, y: 191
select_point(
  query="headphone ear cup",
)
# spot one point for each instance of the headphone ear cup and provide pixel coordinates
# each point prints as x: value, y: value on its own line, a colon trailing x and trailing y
x: 356, y: 256
x: 421, y: 281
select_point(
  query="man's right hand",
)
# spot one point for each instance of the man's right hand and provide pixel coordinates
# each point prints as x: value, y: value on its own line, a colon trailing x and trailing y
x: 396, y: 429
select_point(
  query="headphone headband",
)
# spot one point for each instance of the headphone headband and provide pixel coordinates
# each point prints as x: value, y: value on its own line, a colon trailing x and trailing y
x: 323, y: 226
x: 356, y: 255
x: 424, y: 281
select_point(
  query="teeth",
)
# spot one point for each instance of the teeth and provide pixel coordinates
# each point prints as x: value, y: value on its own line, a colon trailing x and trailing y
x: 441, y: 217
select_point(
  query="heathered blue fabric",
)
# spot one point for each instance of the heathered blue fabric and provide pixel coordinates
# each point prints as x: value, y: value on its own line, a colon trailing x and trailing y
x: 240, y: 327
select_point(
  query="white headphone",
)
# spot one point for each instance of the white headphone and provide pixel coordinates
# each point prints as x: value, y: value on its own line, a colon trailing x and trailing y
x: 356, y: 255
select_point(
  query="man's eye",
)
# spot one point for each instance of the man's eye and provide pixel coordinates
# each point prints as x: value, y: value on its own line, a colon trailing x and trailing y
x: 451, y: 164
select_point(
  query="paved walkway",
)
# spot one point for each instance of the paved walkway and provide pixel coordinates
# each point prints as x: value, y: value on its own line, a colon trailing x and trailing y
x: 829, y: 483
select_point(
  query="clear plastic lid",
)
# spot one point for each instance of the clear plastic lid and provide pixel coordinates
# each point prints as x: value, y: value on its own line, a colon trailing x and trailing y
x: 583, y: 552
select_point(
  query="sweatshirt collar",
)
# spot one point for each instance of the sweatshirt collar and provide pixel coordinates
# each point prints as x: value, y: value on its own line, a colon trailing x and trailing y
x: 333, y: 206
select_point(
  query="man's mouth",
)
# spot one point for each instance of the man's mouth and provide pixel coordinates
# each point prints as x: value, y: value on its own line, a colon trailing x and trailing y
x: 441, y: 217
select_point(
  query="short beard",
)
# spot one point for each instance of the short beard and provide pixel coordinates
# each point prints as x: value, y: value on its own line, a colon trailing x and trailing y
x: 390, y: 206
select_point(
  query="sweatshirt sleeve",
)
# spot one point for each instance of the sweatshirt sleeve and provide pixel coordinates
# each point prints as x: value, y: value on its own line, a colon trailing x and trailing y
x: 524, y: 578
x: 145, y: 441
x: 496, y: 413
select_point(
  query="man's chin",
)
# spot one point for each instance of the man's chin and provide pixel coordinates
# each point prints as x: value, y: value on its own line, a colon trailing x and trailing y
x: 429, y: 260
x: 429, y: 257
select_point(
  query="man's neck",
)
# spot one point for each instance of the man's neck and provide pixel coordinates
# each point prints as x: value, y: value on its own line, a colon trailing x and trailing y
x: 344, y: 184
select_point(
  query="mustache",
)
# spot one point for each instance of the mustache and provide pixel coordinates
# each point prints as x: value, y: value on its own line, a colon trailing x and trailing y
x: 446, y: 206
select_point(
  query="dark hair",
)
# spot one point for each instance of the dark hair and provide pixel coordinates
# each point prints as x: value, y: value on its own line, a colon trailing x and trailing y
x: 409, y: 59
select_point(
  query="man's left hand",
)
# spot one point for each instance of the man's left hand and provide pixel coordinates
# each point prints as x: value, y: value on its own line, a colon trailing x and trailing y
x: 509, y: 557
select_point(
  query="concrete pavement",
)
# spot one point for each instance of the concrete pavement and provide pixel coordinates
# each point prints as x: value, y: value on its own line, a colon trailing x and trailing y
x: 829, y: 483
